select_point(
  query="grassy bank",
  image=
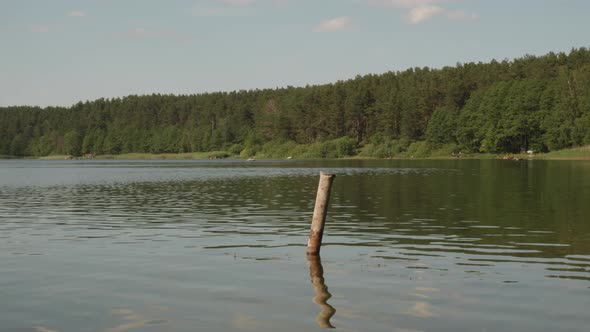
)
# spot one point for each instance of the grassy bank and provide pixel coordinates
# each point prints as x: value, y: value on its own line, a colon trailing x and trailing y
x: 55, y: 157
x: 581, y: 153
x: 151, y: 156
x: 170, y: 156
x: 342, y: 148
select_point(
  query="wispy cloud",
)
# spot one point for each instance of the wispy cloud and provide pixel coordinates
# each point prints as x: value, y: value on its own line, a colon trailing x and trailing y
x: 342, y: 23
x: 421, y: 309
x: 461, y: 15
x: 423, y: 12
x: 418, y: 11
x: 77, y: 13
x: 43, y: 329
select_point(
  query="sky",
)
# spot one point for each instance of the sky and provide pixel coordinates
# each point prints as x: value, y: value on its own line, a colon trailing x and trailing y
x: 59, y: 52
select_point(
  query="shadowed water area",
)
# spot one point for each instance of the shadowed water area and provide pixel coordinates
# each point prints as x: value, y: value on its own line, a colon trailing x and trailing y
x: 455, y: 245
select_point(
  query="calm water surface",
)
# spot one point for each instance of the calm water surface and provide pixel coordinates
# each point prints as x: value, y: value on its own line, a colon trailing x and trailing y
x: 457, y: 245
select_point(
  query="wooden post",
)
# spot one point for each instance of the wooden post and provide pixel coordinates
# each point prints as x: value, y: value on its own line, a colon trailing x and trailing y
x: 319, y: 213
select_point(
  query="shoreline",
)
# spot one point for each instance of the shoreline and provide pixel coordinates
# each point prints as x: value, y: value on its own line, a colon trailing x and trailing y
x: 208, y: 156
x: 579, y: 153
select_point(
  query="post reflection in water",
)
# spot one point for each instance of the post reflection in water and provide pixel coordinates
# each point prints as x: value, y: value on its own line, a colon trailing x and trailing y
x: 316, y: 273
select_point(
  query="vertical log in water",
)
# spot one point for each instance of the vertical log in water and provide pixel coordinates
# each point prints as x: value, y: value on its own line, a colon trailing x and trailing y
x: 316, y: 273
x: 319, y: 213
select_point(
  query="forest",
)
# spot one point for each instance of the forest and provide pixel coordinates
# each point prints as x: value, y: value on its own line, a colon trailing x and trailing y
x: 539, y: 103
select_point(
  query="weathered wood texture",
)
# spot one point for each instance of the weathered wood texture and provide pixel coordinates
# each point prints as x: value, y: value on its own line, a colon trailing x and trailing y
x: 319, y: 213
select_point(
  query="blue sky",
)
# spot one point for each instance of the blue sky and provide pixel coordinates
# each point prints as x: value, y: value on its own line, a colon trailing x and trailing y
x: 58, y: 52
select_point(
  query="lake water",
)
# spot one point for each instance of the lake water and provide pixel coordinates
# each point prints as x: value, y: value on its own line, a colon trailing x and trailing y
x: 455, y: 245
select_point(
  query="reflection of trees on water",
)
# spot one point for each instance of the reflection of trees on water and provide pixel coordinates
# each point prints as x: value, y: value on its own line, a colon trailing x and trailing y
x: 316, y: 273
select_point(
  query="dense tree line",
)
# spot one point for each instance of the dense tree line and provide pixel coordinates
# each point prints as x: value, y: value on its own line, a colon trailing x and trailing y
x: 534, y: 102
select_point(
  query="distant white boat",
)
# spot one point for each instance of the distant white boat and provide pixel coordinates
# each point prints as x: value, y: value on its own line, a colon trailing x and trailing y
x: 289, y: 157
x: 251, y: 159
